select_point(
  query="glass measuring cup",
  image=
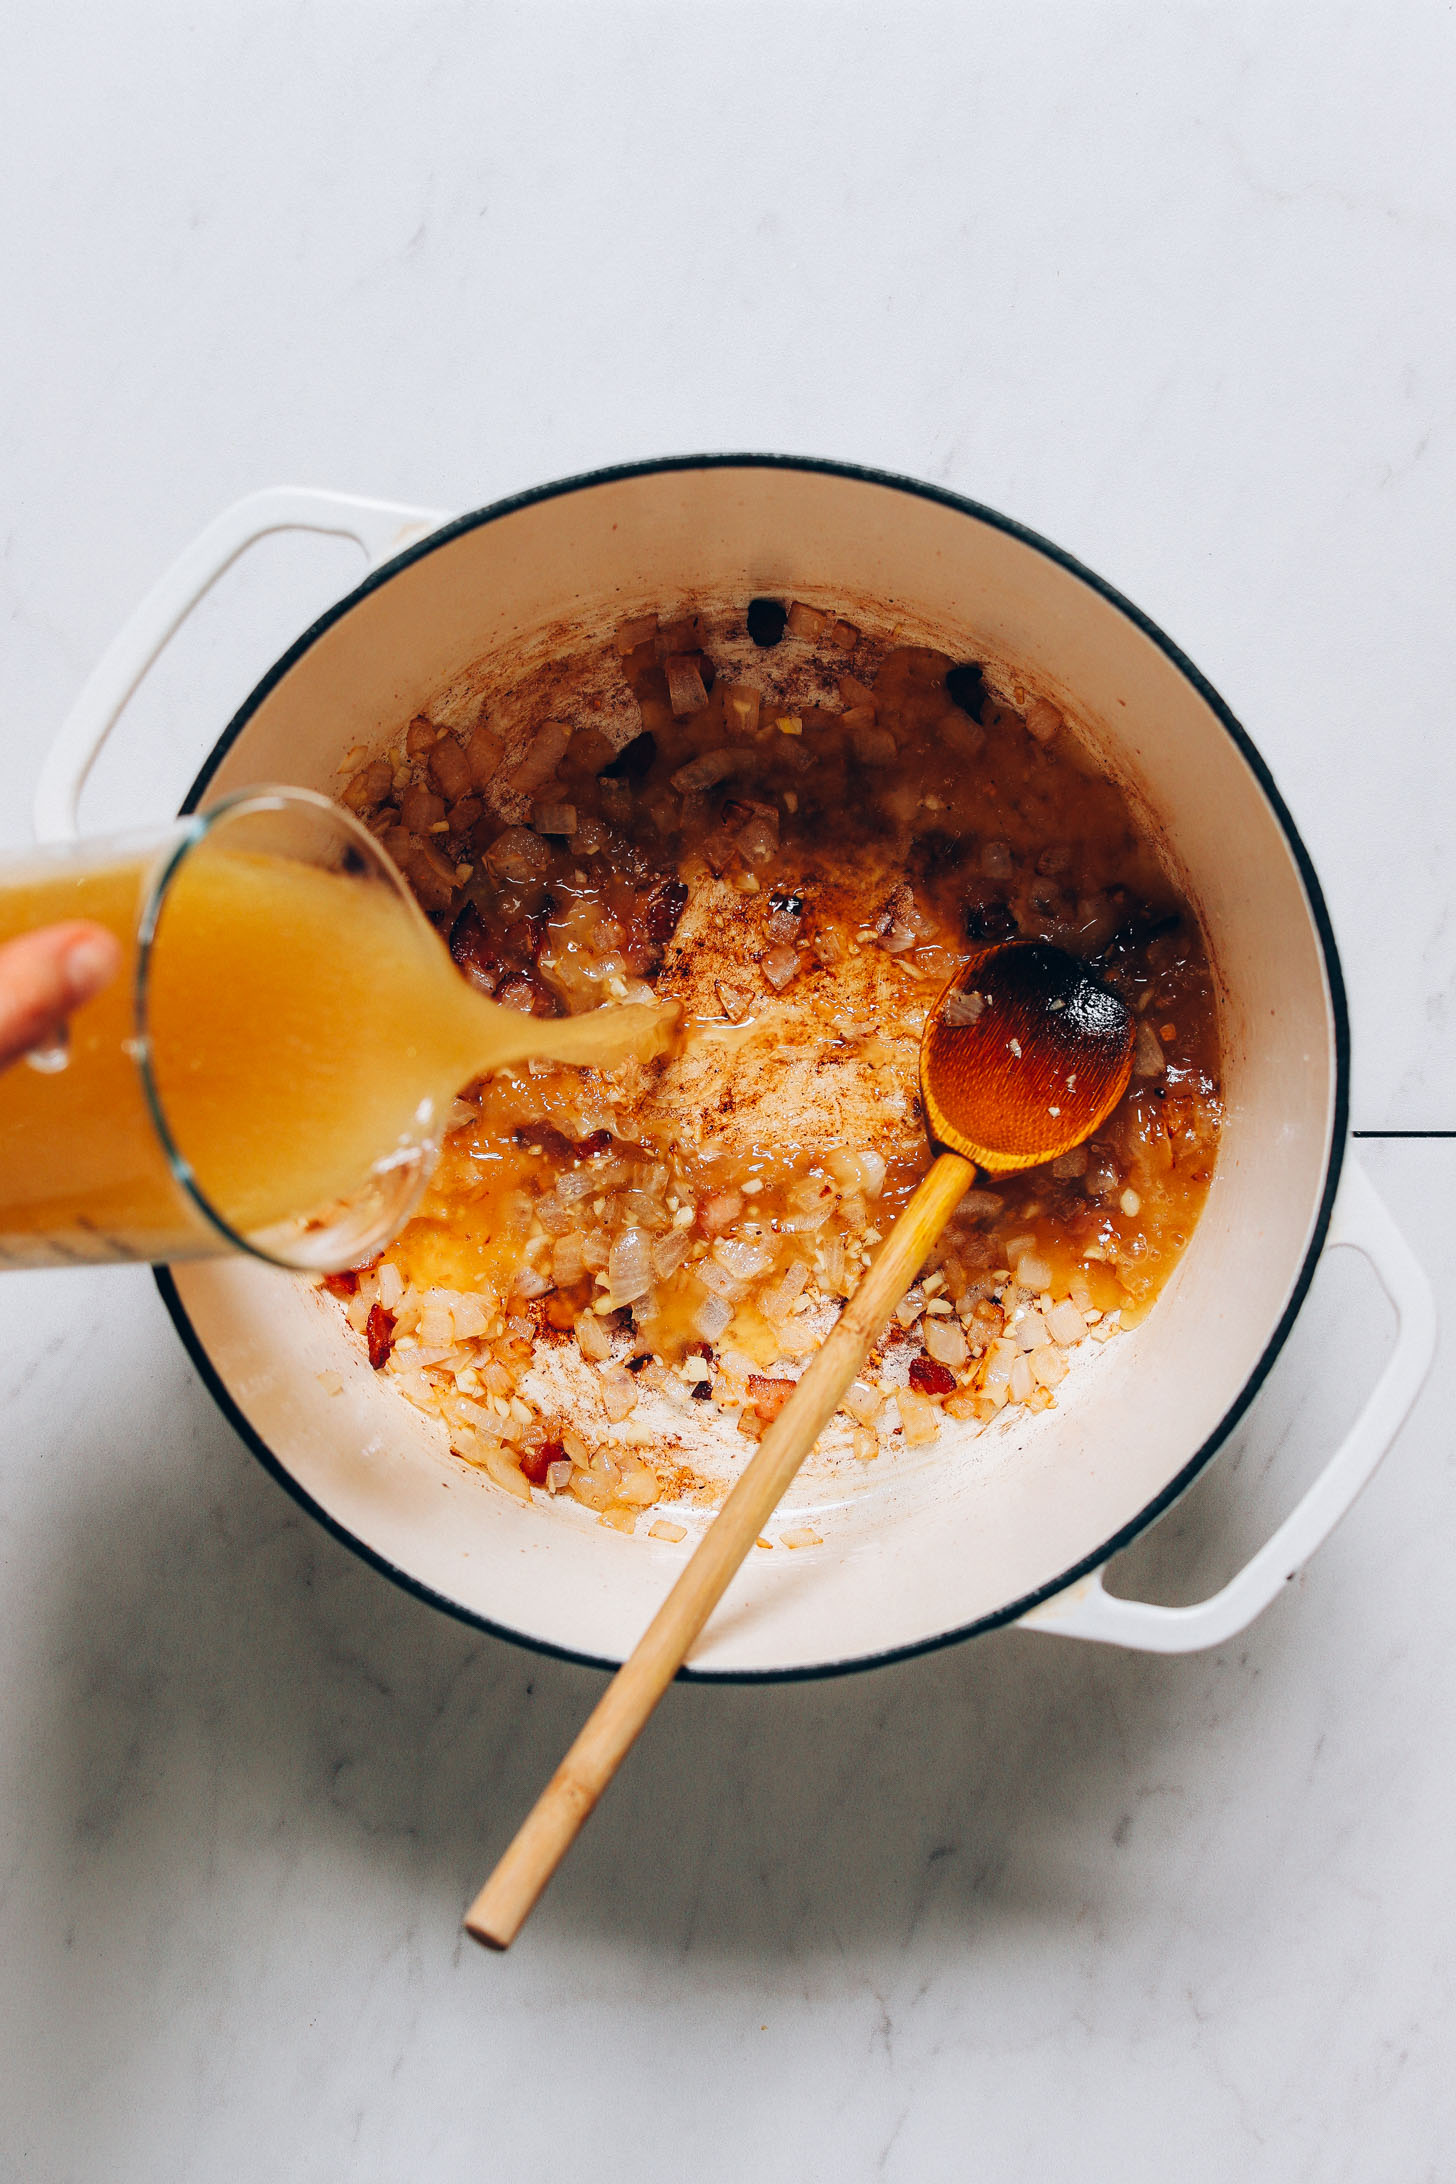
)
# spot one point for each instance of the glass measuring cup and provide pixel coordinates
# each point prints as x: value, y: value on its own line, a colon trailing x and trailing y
x: 250, y: 1081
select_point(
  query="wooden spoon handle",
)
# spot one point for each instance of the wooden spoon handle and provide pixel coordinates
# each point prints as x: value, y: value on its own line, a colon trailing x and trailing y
x: 550, y: 1828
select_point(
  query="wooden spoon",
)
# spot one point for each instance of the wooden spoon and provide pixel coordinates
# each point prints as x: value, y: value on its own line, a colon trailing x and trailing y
x: 1022, y: 1057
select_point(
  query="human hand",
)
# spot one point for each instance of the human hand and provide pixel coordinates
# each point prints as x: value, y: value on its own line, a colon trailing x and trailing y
x: 46, y: 974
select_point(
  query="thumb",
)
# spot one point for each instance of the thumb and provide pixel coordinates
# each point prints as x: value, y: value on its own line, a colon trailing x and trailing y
x: 46, y: 974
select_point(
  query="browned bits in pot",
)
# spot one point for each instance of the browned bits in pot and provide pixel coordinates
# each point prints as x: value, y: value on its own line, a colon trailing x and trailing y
x: 379, y: 1330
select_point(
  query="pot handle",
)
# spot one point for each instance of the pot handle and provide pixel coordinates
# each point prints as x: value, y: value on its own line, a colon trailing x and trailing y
x: 382, y: 528
x: 1087, y: 1610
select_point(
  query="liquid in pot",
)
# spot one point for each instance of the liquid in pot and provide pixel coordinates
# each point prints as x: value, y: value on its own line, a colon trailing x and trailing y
x: 798, y: 831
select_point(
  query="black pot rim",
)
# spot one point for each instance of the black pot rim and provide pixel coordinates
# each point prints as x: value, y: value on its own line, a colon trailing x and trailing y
x: 1318, y: 911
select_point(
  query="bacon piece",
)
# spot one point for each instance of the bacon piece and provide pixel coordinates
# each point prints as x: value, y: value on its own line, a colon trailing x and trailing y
x: 379, y: 1334
x: 767, y: 1397
x: 342, y: 1285
x: 475, y: 952
x: 662, y: 910
x: 536, y: 1462
x: 545, y: 1137
x: 929, y: 1378
x: 651, y: 924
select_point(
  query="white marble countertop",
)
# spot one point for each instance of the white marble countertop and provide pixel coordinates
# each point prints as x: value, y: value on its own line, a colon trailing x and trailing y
x: 1175, y: 289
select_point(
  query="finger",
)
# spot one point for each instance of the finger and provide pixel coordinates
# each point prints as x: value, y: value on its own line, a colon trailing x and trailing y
x: 44, y: 975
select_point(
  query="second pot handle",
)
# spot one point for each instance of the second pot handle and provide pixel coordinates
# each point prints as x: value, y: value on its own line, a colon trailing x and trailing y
x: 1087, y: 1610
x: 382, y: 528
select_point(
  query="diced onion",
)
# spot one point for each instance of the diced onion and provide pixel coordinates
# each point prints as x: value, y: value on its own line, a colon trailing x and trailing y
x: 962, y: 1008
x: 711, y: 1317
x: 863, y: 1402
x: 1148, y: 1059
x: 757, y: 840
x: 980, y: 1205
x: 518, y: 855
x: 706, y: 771
x: 873, y: 746
x: 471, y: 1317
x: 1049, y: 1366
x: 1101, y: 1178
x: 741, y: 704
x: 636, y: 632
x: 644, y: 1211
x: 777, y: 1302
x: 1030, y: 1330
x: 592, y: 1339
x: 669, y: 1252
x: 780, y: 966
x: 1043, y: 721
x: 685, y: 692
x: 619, y: 1394
x: 742, y: 1259
x: 719, y: 1211
x: 1000, y: 1359
x: 543, y: 755
x: 918, y: 1415
x: 945, y: 1343
x: 1065, y: 1323
x: 629, y: 1266
x: 639, y: 1482
x: 505, y: 1473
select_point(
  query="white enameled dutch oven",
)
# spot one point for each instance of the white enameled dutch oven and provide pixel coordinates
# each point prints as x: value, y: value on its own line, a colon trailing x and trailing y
x: 1014, y: 1525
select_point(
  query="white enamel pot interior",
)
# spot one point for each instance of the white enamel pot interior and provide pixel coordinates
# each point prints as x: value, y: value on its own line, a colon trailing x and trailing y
x: 939, y: 1543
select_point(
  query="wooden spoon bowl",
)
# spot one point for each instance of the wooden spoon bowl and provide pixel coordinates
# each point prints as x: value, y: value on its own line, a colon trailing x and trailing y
x: 1024, y: 1054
